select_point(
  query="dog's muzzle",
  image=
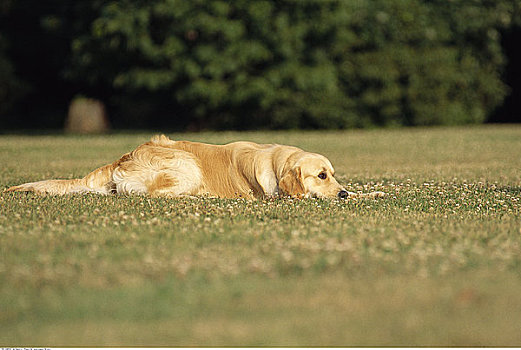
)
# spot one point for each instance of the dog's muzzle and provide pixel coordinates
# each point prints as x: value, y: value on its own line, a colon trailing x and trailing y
x: 343, y: 194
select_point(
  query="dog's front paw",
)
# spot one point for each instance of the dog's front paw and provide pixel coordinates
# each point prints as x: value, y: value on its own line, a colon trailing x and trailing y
x: 377, y: 194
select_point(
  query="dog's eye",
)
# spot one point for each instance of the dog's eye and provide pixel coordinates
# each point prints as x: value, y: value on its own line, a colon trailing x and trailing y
x: 322, y: 176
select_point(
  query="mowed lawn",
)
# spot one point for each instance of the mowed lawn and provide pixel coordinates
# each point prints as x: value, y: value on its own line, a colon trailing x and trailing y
x: 437, y: 262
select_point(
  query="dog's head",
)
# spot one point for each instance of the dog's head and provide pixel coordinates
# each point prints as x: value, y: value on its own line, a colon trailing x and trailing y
x: 311, y: 175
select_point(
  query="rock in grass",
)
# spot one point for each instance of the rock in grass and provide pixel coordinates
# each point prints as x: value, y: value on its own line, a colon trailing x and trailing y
x: 87, y: 116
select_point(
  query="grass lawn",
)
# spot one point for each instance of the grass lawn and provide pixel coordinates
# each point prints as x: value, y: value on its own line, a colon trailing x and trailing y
x: 437, y: 262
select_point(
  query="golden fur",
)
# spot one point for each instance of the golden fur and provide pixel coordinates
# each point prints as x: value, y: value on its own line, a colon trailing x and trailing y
x: 163, y: 167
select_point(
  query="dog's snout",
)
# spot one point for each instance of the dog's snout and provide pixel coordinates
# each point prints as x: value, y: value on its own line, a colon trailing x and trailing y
x: 343, y: 194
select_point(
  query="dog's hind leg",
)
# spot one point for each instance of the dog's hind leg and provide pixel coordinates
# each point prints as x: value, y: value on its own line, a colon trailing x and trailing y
x: 158, y: 171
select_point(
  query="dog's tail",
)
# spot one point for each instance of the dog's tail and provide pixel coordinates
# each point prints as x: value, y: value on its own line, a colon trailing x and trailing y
x: 98, y: 181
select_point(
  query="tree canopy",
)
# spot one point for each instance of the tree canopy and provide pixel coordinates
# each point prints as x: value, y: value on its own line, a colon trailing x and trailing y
x: 266, y: 64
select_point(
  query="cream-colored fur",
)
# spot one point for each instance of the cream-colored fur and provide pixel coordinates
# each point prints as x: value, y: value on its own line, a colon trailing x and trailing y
x: 163, y: 167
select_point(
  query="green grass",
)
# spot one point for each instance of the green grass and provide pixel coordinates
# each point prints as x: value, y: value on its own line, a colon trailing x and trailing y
x: 437, y: 262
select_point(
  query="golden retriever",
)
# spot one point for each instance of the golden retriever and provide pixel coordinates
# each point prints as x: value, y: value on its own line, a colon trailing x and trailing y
x: 163, y: 167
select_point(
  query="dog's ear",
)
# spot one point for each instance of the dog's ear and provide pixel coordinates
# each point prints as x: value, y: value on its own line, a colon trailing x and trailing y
x: 291, y: 183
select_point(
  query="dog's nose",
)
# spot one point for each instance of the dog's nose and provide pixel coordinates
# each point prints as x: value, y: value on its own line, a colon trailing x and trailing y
x: 343, y: 194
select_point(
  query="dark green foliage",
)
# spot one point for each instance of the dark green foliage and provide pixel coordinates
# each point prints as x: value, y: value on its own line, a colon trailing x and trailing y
x: 293, y: 64
x: 38, y: 36
x: 11, y: 88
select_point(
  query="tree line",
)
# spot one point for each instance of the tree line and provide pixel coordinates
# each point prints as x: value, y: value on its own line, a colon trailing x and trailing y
x: 244, y: 64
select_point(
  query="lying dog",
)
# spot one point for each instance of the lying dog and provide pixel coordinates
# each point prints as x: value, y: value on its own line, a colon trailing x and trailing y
x: 163, y: 167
